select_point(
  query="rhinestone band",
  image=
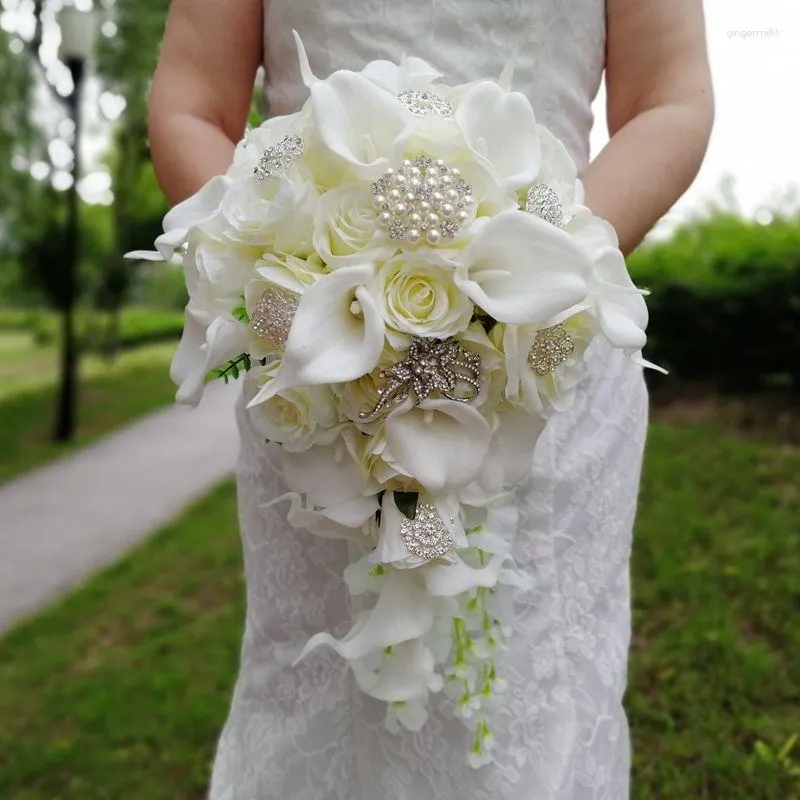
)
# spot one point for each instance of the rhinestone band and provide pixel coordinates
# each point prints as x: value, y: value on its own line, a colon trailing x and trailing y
x: 273, y: 315
x: 426, y: 536
x: 551, y: 348
x: 431, y: 365
x: 279, y: 157
x: 543, y: 202
x: 424, y: 103
x: 422, y: 198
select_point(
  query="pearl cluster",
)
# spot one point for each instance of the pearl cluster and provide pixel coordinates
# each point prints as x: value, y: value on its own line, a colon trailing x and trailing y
x: 543, y: 202
x: 279, y: 157
x: 422, y: 199
x: 551, y: 348
x: 273, y: 315
x: 424, y: 103
x: 426, y: 536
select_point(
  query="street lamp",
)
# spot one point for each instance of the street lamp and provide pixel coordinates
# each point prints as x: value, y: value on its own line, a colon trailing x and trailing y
x: 77, y: 39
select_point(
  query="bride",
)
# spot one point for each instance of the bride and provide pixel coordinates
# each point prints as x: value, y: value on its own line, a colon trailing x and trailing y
x: 304, y: 732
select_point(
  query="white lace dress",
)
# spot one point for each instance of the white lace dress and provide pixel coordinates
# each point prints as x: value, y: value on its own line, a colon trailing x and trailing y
x: 305, y: 732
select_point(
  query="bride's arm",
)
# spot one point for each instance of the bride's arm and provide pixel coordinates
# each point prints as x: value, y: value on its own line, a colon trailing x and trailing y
x: 660, y: 112
x: 202, y: 90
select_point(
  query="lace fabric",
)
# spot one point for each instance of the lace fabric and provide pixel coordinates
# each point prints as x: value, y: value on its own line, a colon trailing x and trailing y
x: 305, y: 732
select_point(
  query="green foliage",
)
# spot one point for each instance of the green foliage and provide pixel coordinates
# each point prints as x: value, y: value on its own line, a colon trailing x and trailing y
x: 160, y: 285
x: 137, y: 326
x: 725, y: 302
x: 122, y: 690
x: 233, y: 369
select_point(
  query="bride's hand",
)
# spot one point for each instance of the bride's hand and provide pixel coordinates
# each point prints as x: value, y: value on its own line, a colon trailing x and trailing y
x: 660, y: 112
x: 202, y: 90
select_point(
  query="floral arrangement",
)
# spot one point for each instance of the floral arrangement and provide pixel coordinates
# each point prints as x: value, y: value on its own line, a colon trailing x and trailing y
x: 407, y: 274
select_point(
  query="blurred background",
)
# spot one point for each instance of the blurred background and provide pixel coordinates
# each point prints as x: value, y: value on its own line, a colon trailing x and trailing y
x: 115, y: 683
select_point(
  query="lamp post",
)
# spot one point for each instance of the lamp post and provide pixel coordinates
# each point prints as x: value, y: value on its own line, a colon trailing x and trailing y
x: 77, y: 36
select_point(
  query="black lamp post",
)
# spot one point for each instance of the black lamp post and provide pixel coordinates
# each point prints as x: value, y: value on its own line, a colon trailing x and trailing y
x: 77, y: 36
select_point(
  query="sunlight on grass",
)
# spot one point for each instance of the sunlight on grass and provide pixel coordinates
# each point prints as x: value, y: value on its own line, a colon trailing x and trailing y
x: 121, y: 690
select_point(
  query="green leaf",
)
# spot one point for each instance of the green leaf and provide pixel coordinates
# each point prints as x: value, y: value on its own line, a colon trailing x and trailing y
x: 406, y: 503
x: 240, y: 314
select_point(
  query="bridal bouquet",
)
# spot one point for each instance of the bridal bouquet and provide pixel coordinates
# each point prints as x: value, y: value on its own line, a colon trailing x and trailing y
x: 408, y: 275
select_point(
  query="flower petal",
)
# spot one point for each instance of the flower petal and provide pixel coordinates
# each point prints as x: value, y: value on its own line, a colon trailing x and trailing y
x: 500, y: 129
x: 404, y: 674
x: 441, y: 443
x: 404, y: 611
x: 520, y: 269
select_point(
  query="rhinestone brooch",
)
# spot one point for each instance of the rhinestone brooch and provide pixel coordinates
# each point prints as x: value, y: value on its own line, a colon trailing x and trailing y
x: 273, y: 315
x: 424, y: 103
x: 279, y: 157
x: 543, y: 202
x: 431, y: 365
x: 551, y: 348
x: 426, y: 536
x: 422, y: 199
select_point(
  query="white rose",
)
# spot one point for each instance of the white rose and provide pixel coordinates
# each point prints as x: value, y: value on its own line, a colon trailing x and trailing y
x: 416, y: 295
x: 296, y: 418
x: 346, y: 226
x: 290, y: 271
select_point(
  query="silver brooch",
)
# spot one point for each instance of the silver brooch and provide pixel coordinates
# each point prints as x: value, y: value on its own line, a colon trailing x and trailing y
x: 273, y: 315
x: 431, y: 365
x: 422, y: 198
x: 426, y: 536
x: 551, y: 348
x: 543, y: 202
x: 425, y: 103
x: 279, y: 157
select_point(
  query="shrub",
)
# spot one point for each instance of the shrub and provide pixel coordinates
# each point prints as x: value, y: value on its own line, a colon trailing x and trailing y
x: 725, y: 302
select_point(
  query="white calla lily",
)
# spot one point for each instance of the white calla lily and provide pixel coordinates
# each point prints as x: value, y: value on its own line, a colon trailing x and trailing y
x: 404, y: 612
x: 500, y: 130
x: 520, y: 269
x: 337, y: 334
x: 206, y: 343
x: 180, y: 220
x: 407, y: 672
x: 441, y: 443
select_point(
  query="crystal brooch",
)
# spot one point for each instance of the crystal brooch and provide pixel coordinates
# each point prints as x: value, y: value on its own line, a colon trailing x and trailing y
x: 426, y: 536
x: 279, y: 157
x: 273, y: 315
x: 422, y: 199
x: 430, y: 365
x: 543, y: 202
x: 425, y: 103
x: 551, y: 348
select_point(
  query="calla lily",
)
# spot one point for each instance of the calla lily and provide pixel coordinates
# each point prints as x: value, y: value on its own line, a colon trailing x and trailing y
x: 332, y: 339
x: 521, y: 269
x: 392, y: 550
x: 328, y: 475
x: 410, y: 73
x: 404, y: 611
x: 406, y: 673
x: 192, y: 212
x: 205, y: 344
x: 455, y: 579
x: 500, y: 130
x: 441, y: 443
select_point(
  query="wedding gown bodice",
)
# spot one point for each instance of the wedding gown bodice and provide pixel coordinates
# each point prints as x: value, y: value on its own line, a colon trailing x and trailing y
x: 302, y: 731
x: 557, y: 49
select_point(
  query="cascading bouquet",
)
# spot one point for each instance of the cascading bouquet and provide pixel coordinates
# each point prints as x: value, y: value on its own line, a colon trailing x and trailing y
x: 408, y: 275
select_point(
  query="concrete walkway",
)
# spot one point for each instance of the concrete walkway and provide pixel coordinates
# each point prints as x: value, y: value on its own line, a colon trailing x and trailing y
x: 60, y: 523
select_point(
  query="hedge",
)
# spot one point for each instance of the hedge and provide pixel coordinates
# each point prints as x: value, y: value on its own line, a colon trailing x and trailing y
x: 725, y: 302
x: 137, y: 326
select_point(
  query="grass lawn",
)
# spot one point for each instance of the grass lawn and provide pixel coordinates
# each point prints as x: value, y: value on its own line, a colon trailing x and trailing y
x: 120, y: 691
x: 111, y: 394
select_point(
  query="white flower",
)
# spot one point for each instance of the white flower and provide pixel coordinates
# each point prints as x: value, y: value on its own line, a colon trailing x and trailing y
x: 346, y: 229
x: 296, y: 418
x: 290, y: 271
x: 555, y: 391
x: 521, y: 269
x: 337, y: 333
x: 416, y: 295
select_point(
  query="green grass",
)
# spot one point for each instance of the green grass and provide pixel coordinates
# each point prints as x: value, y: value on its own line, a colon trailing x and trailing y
x: 111, y: 394
x: 121, y: 690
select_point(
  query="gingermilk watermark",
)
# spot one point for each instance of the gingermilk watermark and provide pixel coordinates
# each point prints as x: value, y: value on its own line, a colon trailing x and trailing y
x: 753, y: 33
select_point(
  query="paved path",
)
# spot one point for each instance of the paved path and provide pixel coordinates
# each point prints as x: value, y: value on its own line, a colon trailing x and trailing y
x: 60, y: 523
